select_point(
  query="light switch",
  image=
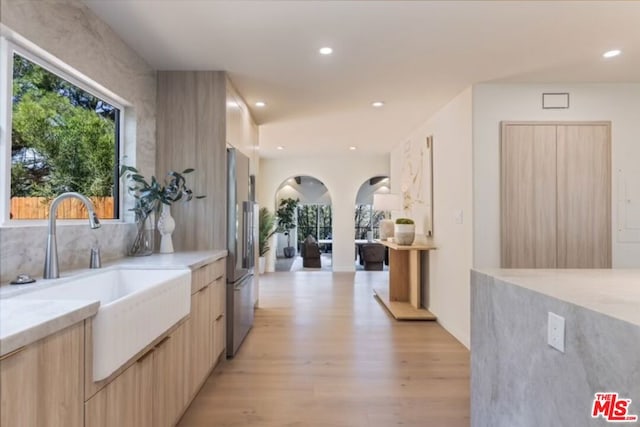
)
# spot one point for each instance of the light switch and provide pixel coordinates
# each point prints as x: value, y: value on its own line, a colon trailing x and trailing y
x: 555, y: 331
x: 458, y: 216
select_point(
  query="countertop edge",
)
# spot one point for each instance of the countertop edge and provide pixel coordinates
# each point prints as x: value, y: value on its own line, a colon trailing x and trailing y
x: 501, y: 276
x: 48, y: 327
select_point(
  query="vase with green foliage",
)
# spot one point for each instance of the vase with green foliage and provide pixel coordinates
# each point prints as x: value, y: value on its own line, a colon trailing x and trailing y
x: 286, y: 214
x: 266, y: 229
x: 149, y: 198
x: 404, y: 231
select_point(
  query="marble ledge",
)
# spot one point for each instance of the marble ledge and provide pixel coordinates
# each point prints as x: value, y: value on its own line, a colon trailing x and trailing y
x: 190, y: 259
x: 612, y: 292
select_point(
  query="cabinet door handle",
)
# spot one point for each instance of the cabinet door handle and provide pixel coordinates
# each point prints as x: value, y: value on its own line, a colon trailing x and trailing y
x: 162, y: 341
x: 203, y: 288
x: 13, y: 353
x: 144, y: 356
x: 220, y: 316
x: 219, y: 277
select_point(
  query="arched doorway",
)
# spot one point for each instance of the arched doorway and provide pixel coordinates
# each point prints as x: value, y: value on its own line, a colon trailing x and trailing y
x: 313, y: 219
x: 367, y: 224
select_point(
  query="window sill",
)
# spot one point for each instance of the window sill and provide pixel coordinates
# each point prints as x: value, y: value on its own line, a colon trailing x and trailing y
x: 25, y: 223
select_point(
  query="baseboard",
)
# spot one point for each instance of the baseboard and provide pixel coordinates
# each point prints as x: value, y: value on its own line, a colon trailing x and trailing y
x: 462, y: 338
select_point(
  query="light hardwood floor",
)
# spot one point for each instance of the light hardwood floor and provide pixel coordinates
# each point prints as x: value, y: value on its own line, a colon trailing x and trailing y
x: 323, y: 352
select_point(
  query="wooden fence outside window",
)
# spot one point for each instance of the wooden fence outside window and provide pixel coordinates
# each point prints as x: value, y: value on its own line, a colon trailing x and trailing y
x: 38, y: 208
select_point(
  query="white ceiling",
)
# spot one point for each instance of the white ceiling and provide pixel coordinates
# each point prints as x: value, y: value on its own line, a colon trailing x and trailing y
x: 413, y: 55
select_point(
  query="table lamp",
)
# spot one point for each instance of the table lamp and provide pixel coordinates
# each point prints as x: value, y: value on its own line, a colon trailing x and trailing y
x: 386, y: 202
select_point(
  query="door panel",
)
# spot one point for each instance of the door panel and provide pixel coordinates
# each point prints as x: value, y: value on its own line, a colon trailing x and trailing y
x: 528, y: 191
x: 584, y: 196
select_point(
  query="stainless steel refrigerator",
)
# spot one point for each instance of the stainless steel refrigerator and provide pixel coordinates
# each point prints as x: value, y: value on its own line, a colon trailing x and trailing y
x: 241, y: 230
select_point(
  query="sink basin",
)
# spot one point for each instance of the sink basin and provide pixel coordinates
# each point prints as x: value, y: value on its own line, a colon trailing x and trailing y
x: 136, y: 307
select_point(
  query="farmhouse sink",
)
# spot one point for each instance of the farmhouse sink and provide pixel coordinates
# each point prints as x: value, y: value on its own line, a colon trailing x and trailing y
x: 136, y: 307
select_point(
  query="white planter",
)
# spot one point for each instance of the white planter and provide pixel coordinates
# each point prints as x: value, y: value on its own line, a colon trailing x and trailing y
x: 262, y: 263
x: 404, y: 234
x: 166, y: 225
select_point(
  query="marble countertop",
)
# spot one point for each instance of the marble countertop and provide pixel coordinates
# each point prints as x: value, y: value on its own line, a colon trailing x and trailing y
x: 615, y: 293
x: 26, y: 321
x: 23, y: 322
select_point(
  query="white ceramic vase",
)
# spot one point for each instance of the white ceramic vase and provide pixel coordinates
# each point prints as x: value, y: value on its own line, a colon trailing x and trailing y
x: 404, y: 234
x: 262, y: 264
x: 166, y: 225
x: 386, y: 229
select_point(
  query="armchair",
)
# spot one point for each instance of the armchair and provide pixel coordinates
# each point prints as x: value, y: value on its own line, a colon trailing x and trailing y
x: 372, y: 256
x: 310, y: 252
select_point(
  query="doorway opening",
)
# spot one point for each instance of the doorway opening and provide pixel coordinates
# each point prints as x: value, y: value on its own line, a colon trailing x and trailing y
x: 370, y: 255
x: 304, y: 239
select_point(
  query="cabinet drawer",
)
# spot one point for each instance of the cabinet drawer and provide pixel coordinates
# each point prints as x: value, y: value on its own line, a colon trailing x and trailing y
x: 219, y: 338
x: 218, y: 298
x: 217, y: 270
x: 207, y: 274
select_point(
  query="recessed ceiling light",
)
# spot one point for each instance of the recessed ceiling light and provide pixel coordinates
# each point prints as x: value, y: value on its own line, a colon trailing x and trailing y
x: 326, y: 50
x: 377, y: 104
x: 261, y: 104
x: 352, y: 148
x: 612, y: 53
x: 280, y: 147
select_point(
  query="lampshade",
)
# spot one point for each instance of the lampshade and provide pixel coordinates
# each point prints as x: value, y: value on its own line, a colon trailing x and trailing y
x: 386, y: 202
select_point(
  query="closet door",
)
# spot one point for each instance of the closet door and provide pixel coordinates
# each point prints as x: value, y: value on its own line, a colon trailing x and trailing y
x: 584, y: 196
x: 528, y: 192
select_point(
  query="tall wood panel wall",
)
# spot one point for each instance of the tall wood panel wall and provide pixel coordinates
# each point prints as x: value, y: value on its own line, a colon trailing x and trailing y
x: 191, y: 132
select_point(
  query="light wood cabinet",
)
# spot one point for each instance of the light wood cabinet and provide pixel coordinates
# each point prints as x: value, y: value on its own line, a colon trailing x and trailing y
x: 200, y: 339
x: 218, y: 303
x: 169, y: 367
x: 126, y: 401
x: 41, y: 385
x: 555, y: 195
x: 49, y: 383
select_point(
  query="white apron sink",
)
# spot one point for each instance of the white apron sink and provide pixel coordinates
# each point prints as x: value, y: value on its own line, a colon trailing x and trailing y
x: 136, y: 307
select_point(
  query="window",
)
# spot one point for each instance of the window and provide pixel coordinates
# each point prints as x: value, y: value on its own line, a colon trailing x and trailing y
x: 63, y: 137
x: 367, y: 219
x: 314, y: 220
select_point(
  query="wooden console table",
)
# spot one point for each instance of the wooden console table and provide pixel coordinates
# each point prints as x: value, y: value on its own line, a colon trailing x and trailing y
x: 402, y: 298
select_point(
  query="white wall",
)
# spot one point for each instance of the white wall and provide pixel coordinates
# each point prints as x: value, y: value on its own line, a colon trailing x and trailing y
x: 366, y: 192
x: 618, y: 103
x: 68, y: 30
x: 342, y: 175
x: 452, y: 191
x: 309, y: 191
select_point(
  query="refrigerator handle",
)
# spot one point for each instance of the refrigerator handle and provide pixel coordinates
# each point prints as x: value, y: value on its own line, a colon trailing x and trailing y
x: 247, y: 228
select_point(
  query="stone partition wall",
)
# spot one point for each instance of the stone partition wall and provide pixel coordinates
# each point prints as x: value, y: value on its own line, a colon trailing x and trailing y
x: 71, y: 32
x: 519, y: 380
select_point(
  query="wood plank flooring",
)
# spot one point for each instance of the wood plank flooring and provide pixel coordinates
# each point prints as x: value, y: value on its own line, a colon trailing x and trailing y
x: 324, y: 352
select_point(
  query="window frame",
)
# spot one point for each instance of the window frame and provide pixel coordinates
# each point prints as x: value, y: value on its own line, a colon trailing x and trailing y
x: 10, y: 44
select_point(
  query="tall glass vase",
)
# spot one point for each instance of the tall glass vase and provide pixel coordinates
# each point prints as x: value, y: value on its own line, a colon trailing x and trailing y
x: 143, y: 243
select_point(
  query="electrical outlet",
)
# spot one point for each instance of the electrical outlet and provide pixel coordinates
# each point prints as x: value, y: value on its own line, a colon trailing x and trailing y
x: 555, y: 332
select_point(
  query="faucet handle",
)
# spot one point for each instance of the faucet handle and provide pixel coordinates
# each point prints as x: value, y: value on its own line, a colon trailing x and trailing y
x: 95, y: 261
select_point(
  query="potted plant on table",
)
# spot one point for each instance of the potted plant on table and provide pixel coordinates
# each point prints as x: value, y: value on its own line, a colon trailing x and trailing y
x: 151, y: 198
x: 286, y: 214
x: 266, y: 229
x: 404, y: 231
